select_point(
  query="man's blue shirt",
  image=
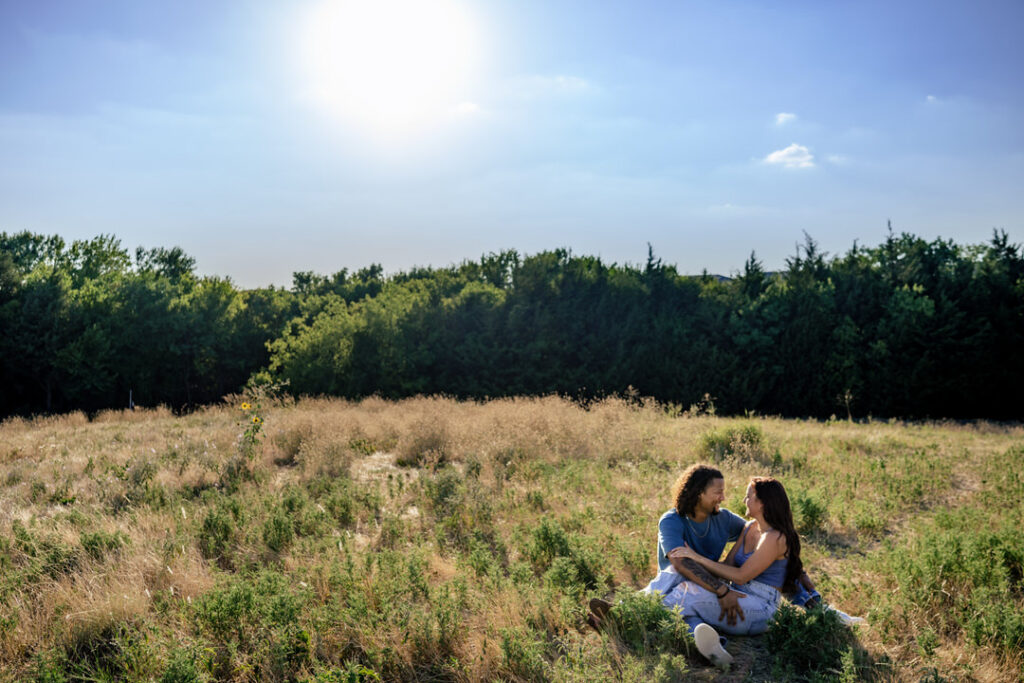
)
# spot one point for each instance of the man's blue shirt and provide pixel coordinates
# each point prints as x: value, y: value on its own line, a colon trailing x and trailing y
x: 708, y: 538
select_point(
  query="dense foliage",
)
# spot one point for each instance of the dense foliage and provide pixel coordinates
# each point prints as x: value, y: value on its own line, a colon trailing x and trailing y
x: 909, y: 328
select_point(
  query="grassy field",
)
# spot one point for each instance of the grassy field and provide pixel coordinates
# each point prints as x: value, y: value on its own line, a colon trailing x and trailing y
x: 430, y: 539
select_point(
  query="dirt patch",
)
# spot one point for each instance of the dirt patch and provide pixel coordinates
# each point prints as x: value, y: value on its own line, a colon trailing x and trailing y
x: 379, y: 466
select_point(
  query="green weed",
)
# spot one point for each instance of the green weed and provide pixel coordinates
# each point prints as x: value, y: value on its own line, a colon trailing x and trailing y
x: 641, y: 623
x: 806, y: 645
x: 743, y: 442
x: 278, y: 530
x: 99, y: 544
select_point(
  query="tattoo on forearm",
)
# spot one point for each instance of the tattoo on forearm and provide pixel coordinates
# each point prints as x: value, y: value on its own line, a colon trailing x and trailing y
x: 703, y: 574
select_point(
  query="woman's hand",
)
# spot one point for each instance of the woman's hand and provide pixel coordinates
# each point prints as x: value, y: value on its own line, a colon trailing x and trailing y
x: 683, y: 552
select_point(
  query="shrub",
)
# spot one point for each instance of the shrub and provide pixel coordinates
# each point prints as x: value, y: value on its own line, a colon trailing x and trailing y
x: 480, y: 558
x: 444, y: 491
x: 59, y: 559
x: 289, y: 651
x: 671, y: 668
x: 362, y: 446
x: 23, y: 539
x: 549, y: 541
x: 226, y: 611
x: 809, y: 514
x: 968, y: 582
x: 522, y: 653
x: 436, y: 631
x: 563, y: 576
x: 101, y: 650
x: 745, y: 442
x: 535, y: 500
x: 62, y: 494
x: 50, y: 667
x: 353, y: 672
x: 790, y: 637
x: 182, y: 668
x: 642, y: 624
x: 278, y: 531
x: 141, y: 473
x: 216, y: 534
x: 341, y: 505
x: 293, y: 501
x: 99, y: 544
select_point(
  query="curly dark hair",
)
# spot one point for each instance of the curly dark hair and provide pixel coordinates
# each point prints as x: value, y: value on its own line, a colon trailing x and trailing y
x: 688, y: 487
x: 779, y: 516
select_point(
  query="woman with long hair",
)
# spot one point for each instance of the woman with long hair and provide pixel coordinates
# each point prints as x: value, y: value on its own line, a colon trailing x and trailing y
x: 763, y: 563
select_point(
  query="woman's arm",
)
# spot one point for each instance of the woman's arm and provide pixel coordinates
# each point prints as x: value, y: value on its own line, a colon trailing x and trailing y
x: 769, y: 548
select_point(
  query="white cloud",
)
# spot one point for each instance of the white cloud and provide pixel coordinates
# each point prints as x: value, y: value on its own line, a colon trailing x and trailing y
x: 837, y: 159
x: 784, y: 117
x: 931, y: 98
x: 794, y: 156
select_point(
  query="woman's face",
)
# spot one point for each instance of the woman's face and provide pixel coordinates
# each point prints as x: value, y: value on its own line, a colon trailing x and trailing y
x: 753, y: 504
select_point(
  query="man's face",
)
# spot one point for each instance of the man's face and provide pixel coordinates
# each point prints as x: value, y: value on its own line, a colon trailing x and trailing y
x: 713, y: 497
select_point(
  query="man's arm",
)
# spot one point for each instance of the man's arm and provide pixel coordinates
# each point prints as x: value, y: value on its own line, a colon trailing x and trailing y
x: 698, y: 574
x: 670, y: 536
x: 728, y: 600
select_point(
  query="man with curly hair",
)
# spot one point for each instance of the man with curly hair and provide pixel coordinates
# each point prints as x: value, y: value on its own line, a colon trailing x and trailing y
x: 698, y: 521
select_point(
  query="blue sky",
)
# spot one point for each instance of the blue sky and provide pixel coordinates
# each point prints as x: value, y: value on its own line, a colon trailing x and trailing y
x: 708, y: 129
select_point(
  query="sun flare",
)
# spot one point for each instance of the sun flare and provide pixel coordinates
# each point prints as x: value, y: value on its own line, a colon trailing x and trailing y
x: 389, y: 66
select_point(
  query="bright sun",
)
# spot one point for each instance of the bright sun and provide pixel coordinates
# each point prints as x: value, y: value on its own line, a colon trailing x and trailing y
x: 389, y: 66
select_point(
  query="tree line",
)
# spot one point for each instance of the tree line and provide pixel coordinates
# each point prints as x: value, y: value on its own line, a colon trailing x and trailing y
x: 909, y: 328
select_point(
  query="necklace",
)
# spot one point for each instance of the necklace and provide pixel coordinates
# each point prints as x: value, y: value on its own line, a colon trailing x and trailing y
x: 693, y: 525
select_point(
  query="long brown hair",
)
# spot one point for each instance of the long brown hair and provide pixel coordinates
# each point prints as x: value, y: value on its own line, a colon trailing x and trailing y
x: 690, y: 485
x: 779, y: 516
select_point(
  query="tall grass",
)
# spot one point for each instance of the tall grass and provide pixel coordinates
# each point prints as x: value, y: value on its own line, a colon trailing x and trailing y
x: 429, y: 539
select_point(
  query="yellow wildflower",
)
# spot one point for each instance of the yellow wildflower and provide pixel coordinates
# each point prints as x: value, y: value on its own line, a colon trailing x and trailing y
x: 256, y: 420
x: 246, y: 406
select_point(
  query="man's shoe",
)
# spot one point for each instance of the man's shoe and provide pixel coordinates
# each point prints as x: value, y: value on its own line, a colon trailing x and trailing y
x: 599, y: 610
x: 709, y: 645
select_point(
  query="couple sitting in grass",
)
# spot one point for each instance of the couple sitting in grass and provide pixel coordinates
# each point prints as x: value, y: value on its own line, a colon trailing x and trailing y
x: 740, y: 595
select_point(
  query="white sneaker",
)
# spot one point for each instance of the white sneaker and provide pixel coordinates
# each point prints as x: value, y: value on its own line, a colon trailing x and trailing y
x: 844, y: 617
x: 709, y: 645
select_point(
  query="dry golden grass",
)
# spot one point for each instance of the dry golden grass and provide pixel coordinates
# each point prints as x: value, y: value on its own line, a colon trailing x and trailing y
x: 603, y: 474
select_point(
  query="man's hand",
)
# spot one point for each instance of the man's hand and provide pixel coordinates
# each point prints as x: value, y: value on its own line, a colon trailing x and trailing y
x: 730, y: 604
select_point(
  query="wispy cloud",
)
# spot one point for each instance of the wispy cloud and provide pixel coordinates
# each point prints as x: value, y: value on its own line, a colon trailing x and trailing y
x: 931, y: 99
x: 837, y: 159
x: 730, y: 210
x: 794, y: 156
x: 784, y: 117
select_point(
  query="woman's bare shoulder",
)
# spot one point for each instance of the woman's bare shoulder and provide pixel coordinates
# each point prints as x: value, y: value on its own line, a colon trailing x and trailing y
x: 776, y: 537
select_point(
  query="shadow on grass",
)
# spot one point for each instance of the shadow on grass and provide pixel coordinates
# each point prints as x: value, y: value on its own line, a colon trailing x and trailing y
x: 801, y: 645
